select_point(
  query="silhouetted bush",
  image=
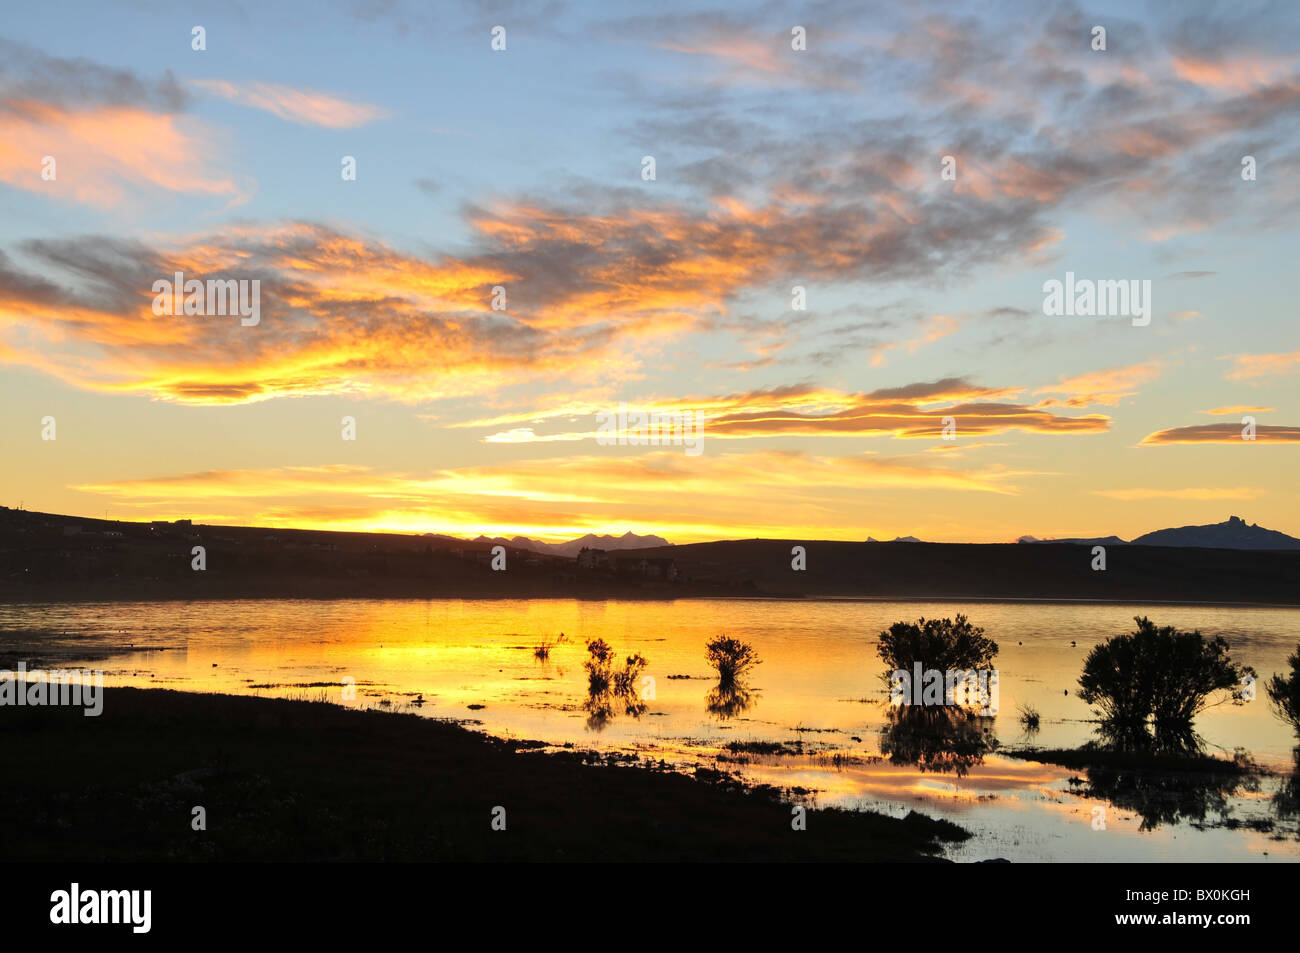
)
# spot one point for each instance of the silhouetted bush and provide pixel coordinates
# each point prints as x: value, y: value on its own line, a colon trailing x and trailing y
x: 1284, y: 693
x: 949, y: 645
x: 732, y: 658
x: 1160, y: 674
x: 599, y: 666
x: 1029, y: 717
x: 606, y: 686
x: 625, y: 681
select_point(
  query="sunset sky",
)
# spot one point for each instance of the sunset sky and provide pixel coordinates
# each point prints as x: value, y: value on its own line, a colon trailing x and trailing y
x: 775, y: 168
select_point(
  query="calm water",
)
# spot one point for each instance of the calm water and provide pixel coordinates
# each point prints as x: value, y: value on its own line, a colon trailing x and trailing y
x: 818, y: 692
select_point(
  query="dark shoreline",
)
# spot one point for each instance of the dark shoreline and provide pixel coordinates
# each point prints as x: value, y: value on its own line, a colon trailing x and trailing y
x: 298, y: 780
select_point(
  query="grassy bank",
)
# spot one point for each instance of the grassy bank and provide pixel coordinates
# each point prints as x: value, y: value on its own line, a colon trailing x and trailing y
x: 300, y: 780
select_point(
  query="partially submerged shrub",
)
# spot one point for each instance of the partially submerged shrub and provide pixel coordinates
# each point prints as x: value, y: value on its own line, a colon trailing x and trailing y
x: 1160, y: 674
x: 948, y: 645
x: 599, y: 666
x: 625, y: 681
x: 605, y: 685
x: 1284, y: 693
x: 1029, y: 717
x: 732, y: 658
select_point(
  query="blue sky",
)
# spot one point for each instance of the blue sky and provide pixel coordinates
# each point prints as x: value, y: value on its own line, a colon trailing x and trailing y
x: 774, y: 168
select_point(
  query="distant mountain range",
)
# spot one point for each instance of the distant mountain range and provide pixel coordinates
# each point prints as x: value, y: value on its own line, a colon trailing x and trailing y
x: 1081, y: 540
x: 574, y: 546
x: 1235, y: 533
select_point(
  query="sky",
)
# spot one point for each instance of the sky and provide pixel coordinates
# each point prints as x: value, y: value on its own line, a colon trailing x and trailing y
x: 823, y: 233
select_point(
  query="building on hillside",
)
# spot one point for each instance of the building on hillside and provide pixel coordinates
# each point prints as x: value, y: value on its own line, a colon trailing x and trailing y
x: 589, y: 558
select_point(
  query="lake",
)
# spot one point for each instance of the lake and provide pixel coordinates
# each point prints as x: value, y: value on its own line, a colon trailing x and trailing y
x: 815, y: 717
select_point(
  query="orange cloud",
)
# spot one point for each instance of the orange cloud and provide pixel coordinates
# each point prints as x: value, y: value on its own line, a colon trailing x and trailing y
x: 307, y: 107
x: 1232, y: 411
x: 914, y: 410
x: 1106, y: 387
x: 1223, y: 433
x: 1236, y: 75
x: 339, y: 315
x: 745, y: 52
x: 904, y: 421
x: 796, y: 395
x: 1251, y: 366
x: 100, y: 151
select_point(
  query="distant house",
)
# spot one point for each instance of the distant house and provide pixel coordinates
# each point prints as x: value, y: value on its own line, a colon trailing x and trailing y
x: 73, y: 530
x: 589, y: 558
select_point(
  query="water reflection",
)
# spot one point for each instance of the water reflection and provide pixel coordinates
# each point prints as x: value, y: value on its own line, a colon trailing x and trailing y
x: 1164, y: 776
x: 937, y: 738
x: 1160, y: 740
x: 729, y: 699
x: 608, y: 688
x: 1286, y: 801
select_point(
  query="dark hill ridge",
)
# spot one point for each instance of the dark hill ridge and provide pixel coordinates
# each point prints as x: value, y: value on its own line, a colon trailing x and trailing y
x: 1236, y: 533
x: 1049, y: 571
x: 45, y: 557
